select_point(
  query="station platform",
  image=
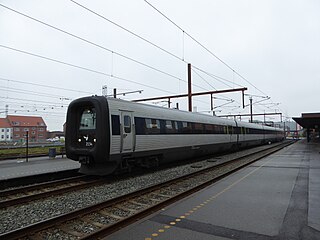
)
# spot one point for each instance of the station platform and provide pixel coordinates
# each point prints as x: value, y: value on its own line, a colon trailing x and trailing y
x: 275, y: 198
x: 15, y: 168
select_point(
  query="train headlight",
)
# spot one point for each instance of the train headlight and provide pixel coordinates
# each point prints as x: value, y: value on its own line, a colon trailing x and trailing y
x: 79, y: 140
x: 94, y: 140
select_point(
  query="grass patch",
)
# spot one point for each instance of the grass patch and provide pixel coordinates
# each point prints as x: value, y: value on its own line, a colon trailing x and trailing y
x: 31, y: 151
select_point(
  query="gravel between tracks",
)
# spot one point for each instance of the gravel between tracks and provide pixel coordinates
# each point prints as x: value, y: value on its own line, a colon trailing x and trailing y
x: 20, y: 216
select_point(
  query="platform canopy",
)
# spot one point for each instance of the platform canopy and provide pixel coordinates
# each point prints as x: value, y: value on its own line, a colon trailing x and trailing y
x: 309, y: 120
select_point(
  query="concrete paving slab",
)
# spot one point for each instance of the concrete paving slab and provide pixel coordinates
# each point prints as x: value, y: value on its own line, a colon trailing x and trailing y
x: 19, y: 167
x: 275, y: 198
x: 143, y: 231
x: 314, y: 187
x: 261, y: 197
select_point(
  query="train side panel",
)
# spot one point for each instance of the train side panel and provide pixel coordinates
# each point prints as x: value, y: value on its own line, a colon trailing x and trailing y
x: 127, y: 133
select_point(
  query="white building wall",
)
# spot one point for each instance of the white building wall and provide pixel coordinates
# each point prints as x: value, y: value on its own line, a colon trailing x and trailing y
x: 6, y: 134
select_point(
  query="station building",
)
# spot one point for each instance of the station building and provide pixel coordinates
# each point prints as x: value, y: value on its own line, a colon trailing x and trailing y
x: 14, y: 128
x: 311, y: 123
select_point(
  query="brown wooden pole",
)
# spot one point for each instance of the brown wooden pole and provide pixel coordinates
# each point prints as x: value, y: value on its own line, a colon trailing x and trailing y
x: 251, y: 117
x: 189, y: 89
x: 27, y: 146
x: 243, y: 99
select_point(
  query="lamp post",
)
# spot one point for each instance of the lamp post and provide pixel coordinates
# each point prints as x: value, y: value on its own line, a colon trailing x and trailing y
x: 27, y: 145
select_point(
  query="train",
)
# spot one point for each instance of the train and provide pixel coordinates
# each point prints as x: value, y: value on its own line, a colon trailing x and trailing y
x: 109, y: 135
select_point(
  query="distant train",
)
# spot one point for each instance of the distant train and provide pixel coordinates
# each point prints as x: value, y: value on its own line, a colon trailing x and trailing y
x: 107, y: 135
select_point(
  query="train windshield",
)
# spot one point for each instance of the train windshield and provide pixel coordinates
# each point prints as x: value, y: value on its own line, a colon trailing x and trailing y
x: 88, y: 119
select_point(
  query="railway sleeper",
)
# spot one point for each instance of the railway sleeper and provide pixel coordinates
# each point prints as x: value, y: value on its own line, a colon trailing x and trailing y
x: 138, y: 203
x: 89, y: 219
x: 68, y: 230
x: 110, y: 214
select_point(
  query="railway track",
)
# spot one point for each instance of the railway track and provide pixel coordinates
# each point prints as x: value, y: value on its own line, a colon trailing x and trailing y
x: 102, y: 219
x: 27, y: 194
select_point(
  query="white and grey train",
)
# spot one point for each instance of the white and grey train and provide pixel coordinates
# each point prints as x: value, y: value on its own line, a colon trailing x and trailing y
x: 106, y: 134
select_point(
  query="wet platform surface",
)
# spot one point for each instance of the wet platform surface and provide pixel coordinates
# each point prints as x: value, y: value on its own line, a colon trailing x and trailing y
x: 277, y: 197
x: 20, y: 168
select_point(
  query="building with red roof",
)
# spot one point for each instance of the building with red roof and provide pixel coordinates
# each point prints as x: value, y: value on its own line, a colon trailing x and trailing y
x: 5, y: 130
x: 20, y: 125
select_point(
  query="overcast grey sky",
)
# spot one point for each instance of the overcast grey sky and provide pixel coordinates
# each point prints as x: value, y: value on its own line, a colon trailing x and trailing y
x: 273, y: 44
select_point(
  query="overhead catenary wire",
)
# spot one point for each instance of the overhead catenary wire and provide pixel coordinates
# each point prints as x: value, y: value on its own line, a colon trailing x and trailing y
x: 83, y: 68
x: 203, y: 79
x: 102, y: 47
x: 43, y: 85
x: 30, y: 111
x: 137, y: 35
x: 34, y: 107
x: 140, y: 37
x: 28, y: 92
x: 29, y: 100
x: 19, y: 105
x: 204, y: 47
x: 90, y: 70
x: 184, y: 33
x: 219, y: 79
x: 222, y: 98
x: 87, y: 69
x: 127, y: 30
x: 90, y: 42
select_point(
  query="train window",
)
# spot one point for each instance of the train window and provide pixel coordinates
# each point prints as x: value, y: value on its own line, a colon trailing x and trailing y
x: 175, y: 125
x: 258, y: 131
x: 127, y: 124
x: 186, y: 127
x: 88, y: 119
x: 218, y: 129
x: 152, y: 123
x: 140, y: 124
x: 209, y: 128
x: 179, y: 127
x: 162, y: 126
x: 115, y: 121
x: 198, y: 127
x: 236, y: 130
x: 170, y: 126
x: 230, y: 130
x: 153, y: 126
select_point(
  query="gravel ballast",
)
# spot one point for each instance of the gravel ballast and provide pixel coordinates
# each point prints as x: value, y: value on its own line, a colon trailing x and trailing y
x: 19, y: 216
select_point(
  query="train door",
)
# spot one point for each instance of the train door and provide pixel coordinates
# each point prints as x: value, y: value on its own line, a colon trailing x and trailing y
x: 230, y: 133
x: 127, y: 132
x: 236, y: 131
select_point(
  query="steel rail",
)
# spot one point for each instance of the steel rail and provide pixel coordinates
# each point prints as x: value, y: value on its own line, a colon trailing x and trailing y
x: 46, y: 189
x: 109, y: 229
x: 35, y: 229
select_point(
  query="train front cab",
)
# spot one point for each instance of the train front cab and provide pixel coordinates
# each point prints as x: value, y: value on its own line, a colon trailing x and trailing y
x: 88, y: 135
